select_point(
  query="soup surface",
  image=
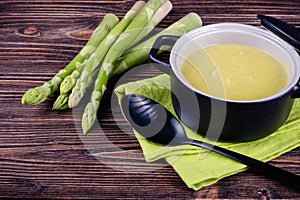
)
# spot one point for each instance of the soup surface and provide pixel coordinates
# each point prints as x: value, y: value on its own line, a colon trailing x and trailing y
x: 234, y: 72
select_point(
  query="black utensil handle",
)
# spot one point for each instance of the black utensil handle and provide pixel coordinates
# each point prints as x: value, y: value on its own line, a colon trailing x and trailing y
x: 286, y: 31
x: 296, y: 90
x: 168, y: 40
x: 289, y: 179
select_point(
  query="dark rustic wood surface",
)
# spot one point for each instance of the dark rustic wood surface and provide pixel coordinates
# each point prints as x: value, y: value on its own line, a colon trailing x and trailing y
x: 42, y: 152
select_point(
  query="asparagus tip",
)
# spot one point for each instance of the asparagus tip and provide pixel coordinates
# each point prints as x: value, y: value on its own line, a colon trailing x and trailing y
x: 61, y: 102
x: 196, y: 17
x: 35, y: 95
x: 67, y: 85
x: 74, y: 100
x: 89, y: 116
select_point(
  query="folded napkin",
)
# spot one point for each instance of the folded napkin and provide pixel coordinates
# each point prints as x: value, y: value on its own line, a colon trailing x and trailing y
x: 198, y: 167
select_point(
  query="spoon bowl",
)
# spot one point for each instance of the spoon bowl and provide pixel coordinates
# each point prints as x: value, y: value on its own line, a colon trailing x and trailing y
x: 152, y: 120
x: 155, y: 123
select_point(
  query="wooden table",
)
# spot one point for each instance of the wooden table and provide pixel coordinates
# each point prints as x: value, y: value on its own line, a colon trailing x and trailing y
x: 42, y: 152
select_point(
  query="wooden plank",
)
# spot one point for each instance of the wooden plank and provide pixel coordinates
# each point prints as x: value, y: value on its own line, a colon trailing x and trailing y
x: 42, y: 152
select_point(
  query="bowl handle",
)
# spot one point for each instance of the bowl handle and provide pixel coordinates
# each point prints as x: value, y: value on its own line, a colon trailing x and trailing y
x: 296, y: 91
x: 165, y: 40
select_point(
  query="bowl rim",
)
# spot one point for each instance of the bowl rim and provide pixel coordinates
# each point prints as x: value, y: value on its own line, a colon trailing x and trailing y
x: 245, y: 29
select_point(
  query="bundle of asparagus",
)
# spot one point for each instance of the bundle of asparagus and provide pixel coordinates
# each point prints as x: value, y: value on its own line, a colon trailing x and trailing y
x: 105, y: 55
x: 39, y: 94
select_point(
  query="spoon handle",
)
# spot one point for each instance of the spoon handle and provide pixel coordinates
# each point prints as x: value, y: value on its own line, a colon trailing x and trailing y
x: 279, y: 174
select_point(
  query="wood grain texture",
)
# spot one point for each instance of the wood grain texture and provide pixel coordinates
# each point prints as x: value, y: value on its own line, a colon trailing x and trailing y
x: 42, y: 152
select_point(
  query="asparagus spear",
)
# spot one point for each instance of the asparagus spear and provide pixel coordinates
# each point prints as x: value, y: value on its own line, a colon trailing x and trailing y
x: 86, y: 77
x: 159, y: 15
x: 124, y: 41
x: 139, y: 54
x: 61, y: 102
x: 39, y: 94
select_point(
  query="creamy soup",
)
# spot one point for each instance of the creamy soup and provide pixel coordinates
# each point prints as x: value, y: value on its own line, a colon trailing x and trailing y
x: 235, y: 72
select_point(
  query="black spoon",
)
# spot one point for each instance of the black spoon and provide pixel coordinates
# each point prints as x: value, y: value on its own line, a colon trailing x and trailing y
x: 158, y: 125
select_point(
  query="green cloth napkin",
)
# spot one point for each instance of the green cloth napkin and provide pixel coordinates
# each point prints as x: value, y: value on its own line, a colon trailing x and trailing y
x: 198, y: 167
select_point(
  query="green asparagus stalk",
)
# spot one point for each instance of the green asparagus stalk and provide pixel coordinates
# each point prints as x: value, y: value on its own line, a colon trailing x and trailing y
x: 87, y: 75
x: 139, y: 54
x: 159, y: 15
x: 61, y: 102
x: 39, y: 94
x: 124, y: 41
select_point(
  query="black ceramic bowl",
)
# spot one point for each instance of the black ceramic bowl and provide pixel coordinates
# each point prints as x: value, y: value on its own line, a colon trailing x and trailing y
x: 220, y: 118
